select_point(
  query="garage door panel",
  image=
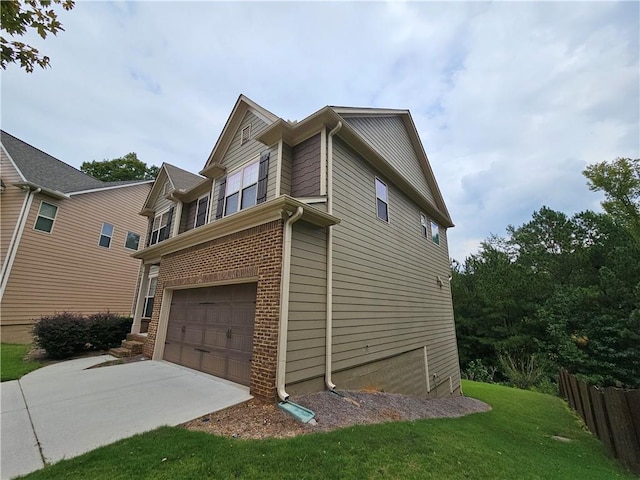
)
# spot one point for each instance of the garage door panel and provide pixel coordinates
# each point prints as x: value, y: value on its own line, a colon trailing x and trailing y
x: 211, y: 329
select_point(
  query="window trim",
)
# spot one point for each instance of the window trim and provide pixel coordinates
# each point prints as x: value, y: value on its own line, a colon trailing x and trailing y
x: 424, y: 225
x: 245, y: 138
x: 147, y: 296
x: 161, y: 214
x: 386, y: 202
x: 207, y: 212
x: 242, y: 187
x: 433, y: 239
x: 110, y: 237
x: 53, y: 220
x: 127, y: 237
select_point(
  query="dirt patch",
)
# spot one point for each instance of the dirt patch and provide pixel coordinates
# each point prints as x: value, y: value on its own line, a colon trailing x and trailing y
x: 257, y: 419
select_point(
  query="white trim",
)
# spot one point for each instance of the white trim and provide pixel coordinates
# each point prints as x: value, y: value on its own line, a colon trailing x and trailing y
x: 15, y: 233
x: 424, y: 233
x: 52, y: 219
x: 311, y: 200
x: 279, y: 168
x: 163, y: 323
x: 112, y: 187
x: 240, y: 169
x: 162, y: 212
x: 346, y: 111
x: 13, y: 163
x: 113, y: 231
x: 323, y: 161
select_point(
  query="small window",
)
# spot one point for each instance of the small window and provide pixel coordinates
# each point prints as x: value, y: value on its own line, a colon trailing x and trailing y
x: 148, y: 298
x: 133, y: 241
x: 382, y: 205
x: 245, y: 135
x: 435, y: 233
x: 106, y: 235
x: 46, y: 217
x: 424, y: 225
x: 201, y: 212
x: 241, y: 189
x: 159, y: 229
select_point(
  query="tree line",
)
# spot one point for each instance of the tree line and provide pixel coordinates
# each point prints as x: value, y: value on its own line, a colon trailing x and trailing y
x: 558, y: 291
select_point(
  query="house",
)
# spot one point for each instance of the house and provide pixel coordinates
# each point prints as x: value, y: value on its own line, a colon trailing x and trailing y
x: 305, y: 255
x: 66, y: 239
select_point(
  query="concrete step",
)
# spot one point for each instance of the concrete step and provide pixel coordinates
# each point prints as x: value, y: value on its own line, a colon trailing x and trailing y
x: 120, y: 352
x: 133, y: 346
x: 136, y: 337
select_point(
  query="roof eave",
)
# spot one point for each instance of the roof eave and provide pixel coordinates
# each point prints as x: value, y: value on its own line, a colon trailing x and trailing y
x: 33, y: 187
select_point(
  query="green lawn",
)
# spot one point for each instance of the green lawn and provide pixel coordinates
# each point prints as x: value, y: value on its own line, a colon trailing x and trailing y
x: 513, y: 441
x: 12, y: 365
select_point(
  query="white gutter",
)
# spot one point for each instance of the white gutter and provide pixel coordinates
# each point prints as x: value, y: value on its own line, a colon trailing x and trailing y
x: 329, y: 326
x: 15, y: 239
x: 284, y: 304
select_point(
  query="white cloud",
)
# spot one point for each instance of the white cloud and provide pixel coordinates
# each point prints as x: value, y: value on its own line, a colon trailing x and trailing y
x: 512, y: 100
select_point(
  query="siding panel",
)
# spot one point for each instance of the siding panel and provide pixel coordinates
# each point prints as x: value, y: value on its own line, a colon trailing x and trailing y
x: 10, y: 203
x: 305, y: 168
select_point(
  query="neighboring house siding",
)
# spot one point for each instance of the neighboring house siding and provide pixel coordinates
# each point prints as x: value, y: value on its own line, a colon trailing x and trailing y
x: 307, y: 303
x: 285, y: 180
x: 386, y: 297
x: 188, y: 216
x: 388, y: 135
x: 305, y: 168
x: 11, y: 201
x: 67, y: 270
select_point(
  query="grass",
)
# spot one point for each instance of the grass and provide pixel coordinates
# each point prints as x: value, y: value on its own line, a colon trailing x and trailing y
x: 511, y: 441
x: 12, y: 362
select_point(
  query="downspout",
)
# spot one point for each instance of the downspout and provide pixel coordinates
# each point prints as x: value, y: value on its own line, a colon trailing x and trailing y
x: 329, y: 326
x: 284, y: 304
x: 15, y: 239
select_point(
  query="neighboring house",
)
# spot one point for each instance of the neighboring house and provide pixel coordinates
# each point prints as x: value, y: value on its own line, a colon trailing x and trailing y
x: 66, y: 240
x: 309, y: 254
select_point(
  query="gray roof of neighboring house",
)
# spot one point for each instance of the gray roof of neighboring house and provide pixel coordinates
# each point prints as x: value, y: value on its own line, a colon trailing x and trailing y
x: 181, y: 179
x: 42, y: 169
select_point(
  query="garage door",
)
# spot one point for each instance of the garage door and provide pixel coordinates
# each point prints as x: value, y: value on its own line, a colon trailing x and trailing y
x: 211, y: 329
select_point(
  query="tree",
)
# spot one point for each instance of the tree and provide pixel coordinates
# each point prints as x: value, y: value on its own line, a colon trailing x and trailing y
x: 118, y: 169
x: 17, y: 16
x: 620, y: 182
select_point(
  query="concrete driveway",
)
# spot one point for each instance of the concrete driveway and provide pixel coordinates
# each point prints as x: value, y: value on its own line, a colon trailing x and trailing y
x: 64, y: 410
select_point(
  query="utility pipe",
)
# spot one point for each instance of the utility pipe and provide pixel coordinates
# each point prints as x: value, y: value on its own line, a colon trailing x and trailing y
x: 284, y: 304
x: 329, y: 326
x: 11, y: 255
x: 16, y: 229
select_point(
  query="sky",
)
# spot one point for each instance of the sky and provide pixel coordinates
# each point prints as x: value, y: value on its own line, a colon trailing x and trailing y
x: 512, y: 100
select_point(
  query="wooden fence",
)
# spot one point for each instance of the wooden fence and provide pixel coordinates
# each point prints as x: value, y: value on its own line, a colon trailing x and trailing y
x: 612, y: 415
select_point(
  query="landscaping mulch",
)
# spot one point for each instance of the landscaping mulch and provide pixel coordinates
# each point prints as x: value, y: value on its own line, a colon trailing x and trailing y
x: 257, y: 419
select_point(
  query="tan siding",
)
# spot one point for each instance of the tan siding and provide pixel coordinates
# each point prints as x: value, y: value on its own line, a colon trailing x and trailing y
x: 237, y: 155
x: 162, y: 204
x: 11, y: 203
x: 67, y: 270
x: 388, y: 135
x: 305, y: 168
x: 307, y: 303
x: 285, y: 181
x: 386, y: 296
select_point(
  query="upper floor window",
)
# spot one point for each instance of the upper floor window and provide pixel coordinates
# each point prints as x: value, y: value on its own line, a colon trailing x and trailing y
x: 132, y: 241
x: 245, y: 135
x: 382, y: 205
x: 424, y: 225
x: 241, y: 189
x: 159, y: 230
x: 46, y: 217
x: 201, y: 211
x: 435, y: 233
x: 106, y: 234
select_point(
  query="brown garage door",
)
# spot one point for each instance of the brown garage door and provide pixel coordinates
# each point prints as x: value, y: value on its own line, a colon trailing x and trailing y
x: 211, y: 329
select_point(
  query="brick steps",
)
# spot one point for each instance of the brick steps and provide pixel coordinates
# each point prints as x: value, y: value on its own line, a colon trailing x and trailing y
x: 130, y: 347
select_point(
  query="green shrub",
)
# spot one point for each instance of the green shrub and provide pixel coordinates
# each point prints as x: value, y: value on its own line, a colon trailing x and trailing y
x: 478, y: 372
x: 524, y: 371
x: 106, y: 330
x: 61, y: 335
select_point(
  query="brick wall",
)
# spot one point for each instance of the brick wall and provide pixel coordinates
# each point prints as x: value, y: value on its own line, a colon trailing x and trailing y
x: 255, y: 252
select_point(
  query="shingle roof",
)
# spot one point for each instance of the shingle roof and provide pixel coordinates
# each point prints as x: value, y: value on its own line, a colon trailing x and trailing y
x: 46, y: 171
x: 181, y: 179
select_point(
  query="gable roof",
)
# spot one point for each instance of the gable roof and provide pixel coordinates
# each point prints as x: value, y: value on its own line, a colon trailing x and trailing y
x: 181, y: 179
x: 181, y: 182
x: 39, y: 169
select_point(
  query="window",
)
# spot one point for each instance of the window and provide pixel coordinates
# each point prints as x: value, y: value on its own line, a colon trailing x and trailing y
x: 159, y: 229
x: 201, y: 211
x: 105, y: 235
x: 132, y: 241
x: 435, y: 233
x: 245, y: 135
x: 381, y: 200
x: 148, y: 298
x: 423, y: 224
x: 241, y: 189
x: 46, y: 216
